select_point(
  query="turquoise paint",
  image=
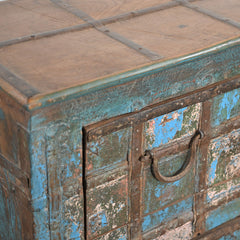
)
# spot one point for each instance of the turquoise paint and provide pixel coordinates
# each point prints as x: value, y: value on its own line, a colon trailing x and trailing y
x: 225, y: 106
x: 162, y: 216
x: 223, y: 214
x: 164, y: 132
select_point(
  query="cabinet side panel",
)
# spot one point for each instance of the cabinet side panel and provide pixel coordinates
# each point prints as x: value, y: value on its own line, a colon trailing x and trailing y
x: 15, y: 208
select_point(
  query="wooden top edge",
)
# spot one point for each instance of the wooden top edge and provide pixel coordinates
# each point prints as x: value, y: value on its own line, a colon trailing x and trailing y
x: 43, y: 100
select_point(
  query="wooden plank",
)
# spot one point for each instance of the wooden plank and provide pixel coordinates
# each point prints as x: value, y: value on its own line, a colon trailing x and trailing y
x: 12, y: 115
x: 173, y: 32
x: 227, y: 9
x: 16, y: 213
x: 211, y: 14
x: 28, y: 17
x: 79, y: 61
x: 109, y: 8
x: 103, y: 29
x: 17, y: 82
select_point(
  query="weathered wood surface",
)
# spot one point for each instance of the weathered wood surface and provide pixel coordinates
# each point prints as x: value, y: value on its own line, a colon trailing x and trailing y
x: 70, y: 164
x: 15, y: 209
x: 27, y: 17
x: 75, y: 58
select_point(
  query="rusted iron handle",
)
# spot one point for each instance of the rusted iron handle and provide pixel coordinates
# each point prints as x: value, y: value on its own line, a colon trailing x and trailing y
x: 185, y: 167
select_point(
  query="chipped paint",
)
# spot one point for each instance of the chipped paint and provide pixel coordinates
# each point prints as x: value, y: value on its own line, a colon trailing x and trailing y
x: 56, y: 142
x: 166, y: 214
x: 216, y: 193
x: 172, y: 126
x: 73, y: 217
x: 107, y: 206
x: 181, y: 233
x: 225, y: 107
x: 157, y: 194
x: 108, y: 150
x: 118, y: 234
x: 222, y: 214
x: 223, y: 157
x: 233, y: 236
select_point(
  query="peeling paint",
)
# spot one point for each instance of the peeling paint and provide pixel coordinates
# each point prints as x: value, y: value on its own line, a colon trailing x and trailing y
x: 225, y: 107
x: 223, y: 157
x: 219, y: 192
x: 181, y: 233
x: 167, y: 214
x: 222, y: 214
x: 172, y: 126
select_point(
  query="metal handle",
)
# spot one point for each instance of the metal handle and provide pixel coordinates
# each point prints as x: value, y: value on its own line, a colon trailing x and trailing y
x: 186, y: 165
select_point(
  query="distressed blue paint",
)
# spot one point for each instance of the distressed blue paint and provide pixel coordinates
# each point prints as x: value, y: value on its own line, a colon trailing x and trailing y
x: 10, y: 225
x: 166, y: 214
x: 223, y: 214
x: 153, y: 85
x: 2, y: 116
x: 219, y: 160
x: 158, y: 194
x: 166, y: 132
x: 39, y: 186
x: 40, y: 216
x: 212, y: 170
x: 74, y: 231
x: 108, y: 151
x: 104, y: 220
x: 38, y: 179
x: 123, y: 237
x: 159, y: 191
x: 233, y: 236
x: 99, y: 220
x: 225, y: 106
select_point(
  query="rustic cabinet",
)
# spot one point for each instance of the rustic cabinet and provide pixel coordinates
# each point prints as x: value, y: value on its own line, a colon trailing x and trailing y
x: 120, y: 120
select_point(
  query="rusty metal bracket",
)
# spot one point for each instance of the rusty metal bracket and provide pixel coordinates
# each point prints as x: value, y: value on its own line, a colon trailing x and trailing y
x: 187, y: 165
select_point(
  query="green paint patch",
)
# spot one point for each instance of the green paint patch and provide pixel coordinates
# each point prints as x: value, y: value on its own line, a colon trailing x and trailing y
x: 223, y: 158
x: 158, y: 194
x: 107, y: 206
x: 108, y: 150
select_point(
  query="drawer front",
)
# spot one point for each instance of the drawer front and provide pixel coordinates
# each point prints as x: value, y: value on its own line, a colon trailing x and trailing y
x: 169, y: 171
